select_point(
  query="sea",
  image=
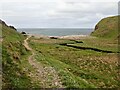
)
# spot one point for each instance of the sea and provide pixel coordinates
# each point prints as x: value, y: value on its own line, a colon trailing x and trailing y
x: 56, y: 31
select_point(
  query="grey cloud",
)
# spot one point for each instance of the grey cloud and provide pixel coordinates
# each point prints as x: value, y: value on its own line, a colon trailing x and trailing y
x: 64, y: 13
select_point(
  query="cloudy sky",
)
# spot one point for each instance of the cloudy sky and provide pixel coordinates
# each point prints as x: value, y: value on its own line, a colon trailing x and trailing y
x: 56, y: 13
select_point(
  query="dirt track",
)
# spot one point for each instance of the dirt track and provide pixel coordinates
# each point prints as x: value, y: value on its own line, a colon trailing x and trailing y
x: 47, y: 76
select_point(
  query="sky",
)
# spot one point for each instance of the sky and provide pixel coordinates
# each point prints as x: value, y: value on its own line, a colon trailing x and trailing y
x: 56, y: 13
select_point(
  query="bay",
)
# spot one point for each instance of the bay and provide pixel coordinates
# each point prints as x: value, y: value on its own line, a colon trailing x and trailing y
x: 56, y: 31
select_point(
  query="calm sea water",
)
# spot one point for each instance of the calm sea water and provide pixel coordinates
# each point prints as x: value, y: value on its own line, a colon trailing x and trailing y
x: 57, y: 31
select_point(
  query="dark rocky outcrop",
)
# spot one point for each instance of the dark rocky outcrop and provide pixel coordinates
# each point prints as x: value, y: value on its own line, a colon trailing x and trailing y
x: 96, y: 27
x: 3, y: 23
x: 23, y: 32
x: 13, y: 27
x: 53, y: 37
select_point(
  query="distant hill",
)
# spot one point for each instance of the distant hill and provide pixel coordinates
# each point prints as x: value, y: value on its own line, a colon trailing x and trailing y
x: 107, y: 28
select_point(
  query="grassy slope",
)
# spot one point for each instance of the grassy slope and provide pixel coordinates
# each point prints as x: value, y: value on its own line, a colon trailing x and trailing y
x: 107, y: 28
x: 14, y: 61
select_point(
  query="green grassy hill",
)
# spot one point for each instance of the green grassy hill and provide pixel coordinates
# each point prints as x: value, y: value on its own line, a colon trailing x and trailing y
x: 13, y: 55
x: 107, y: 28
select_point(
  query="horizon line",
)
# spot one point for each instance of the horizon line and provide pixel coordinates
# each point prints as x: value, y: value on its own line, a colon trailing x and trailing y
x: 56, y: 28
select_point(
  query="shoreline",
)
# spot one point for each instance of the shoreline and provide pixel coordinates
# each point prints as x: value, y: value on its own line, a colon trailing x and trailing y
x: 71, y: 37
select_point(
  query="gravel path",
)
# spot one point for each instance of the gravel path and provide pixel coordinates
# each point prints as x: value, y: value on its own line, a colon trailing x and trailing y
x: 47, y: 76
